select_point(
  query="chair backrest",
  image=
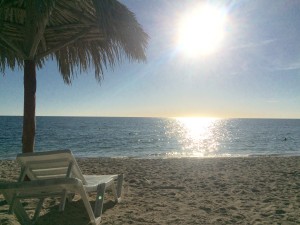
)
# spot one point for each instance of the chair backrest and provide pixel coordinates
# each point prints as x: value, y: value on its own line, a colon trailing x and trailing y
x: 49, y: 165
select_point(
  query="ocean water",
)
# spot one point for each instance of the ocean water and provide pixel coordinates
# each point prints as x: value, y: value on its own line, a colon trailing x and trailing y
x: 155, y: 137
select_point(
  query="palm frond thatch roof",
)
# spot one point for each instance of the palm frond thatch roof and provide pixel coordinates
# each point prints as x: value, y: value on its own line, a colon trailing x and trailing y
x: 78, y: 34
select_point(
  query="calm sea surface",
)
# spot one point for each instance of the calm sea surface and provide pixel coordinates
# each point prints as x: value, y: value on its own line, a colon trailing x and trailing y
x: 155, y: 137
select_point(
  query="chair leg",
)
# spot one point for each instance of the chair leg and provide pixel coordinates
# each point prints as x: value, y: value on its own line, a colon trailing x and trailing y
x: 99, y: 200
x: 88, y: 207
x: 17, y: 208
x: 114, y: 190
x: 38, y: 210
x: 119, y: 186
x: 11, y: 205
x: 63, y: 201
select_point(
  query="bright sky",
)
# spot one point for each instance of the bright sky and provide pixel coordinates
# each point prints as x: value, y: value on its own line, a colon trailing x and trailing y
x: 253, y: 71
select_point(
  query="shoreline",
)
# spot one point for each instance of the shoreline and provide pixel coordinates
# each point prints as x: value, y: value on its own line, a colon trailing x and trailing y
x: 170, y: 156
x: 228, y: 190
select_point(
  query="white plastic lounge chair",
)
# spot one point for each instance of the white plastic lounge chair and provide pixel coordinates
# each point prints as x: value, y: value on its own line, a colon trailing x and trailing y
x: 56, y: 173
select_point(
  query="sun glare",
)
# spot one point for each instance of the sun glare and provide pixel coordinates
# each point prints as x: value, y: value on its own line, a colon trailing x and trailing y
x: 198, y: 135
x: 202, y: 30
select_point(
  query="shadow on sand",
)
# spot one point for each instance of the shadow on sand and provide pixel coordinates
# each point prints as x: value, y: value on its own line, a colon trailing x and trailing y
x: 74, y: 214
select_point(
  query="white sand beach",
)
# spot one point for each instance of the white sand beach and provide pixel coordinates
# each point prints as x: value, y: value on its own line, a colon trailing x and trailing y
x: 255, y: 190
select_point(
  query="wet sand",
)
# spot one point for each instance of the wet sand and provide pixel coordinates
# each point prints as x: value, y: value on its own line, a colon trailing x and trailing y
x: 255, y: 190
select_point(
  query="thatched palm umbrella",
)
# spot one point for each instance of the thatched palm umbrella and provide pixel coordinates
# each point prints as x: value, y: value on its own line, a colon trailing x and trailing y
x: 77, y: 34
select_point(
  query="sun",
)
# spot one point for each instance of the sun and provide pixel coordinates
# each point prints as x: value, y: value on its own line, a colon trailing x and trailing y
x: 202, y: 30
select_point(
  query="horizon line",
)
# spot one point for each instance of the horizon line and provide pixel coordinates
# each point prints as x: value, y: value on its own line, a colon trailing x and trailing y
x: 162, y: 117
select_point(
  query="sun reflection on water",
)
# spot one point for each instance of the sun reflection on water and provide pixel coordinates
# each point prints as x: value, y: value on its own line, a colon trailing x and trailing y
x: 197, y: 136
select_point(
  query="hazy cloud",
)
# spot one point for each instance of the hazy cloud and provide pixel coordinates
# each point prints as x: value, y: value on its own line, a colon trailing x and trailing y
x: 291, y: 66
x: 254, y: 44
